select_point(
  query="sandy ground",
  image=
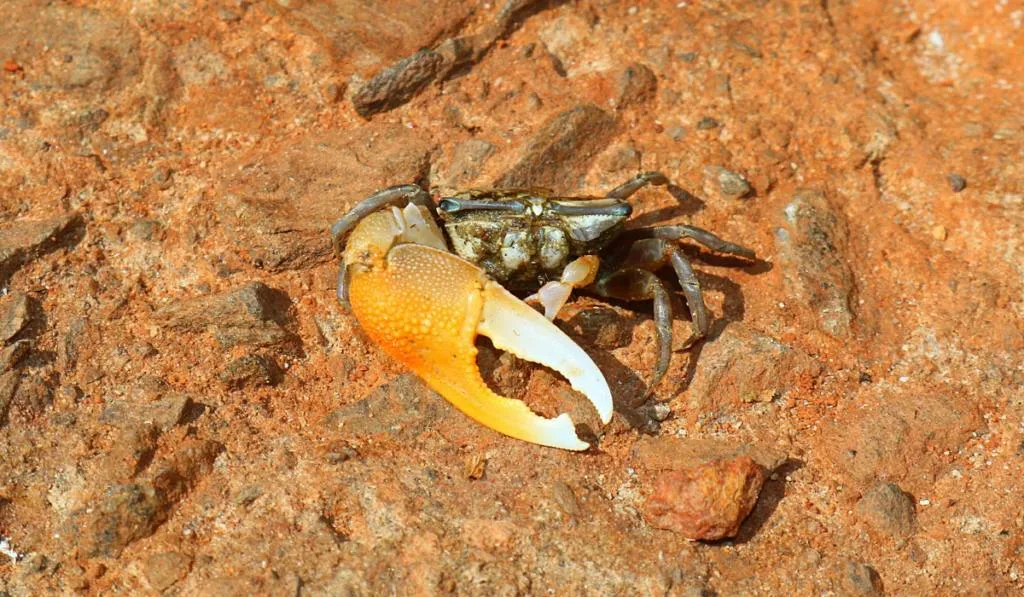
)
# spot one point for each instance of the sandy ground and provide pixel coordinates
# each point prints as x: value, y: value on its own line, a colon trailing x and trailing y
x: 184, y: 407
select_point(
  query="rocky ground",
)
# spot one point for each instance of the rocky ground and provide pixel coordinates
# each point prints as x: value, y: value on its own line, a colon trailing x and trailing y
x: 184, y: 408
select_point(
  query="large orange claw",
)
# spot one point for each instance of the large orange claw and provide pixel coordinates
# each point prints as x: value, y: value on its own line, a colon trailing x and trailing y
x: 425, y: 306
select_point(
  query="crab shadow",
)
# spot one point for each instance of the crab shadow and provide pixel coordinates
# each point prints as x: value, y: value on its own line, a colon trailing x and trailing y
x: 632, y: 396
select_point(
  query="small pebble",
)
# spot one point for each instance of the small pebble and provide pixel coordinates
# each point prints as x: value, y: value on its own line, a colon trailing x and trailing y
x: 676, y: 133
x: 731, y: 184
x: 475, y: 466
x: 956, y: 182
x: 939, y: 232
x: 707, y: 123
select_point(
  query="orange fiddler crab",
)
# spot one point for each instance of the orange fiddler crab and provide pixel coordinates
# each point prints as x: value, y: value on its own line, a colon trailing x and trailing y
x: 424, y: 300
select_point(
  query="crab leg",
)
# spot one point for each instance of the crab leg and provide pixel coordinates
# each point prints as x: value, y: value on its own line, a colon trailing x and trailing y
x: 425, y: 306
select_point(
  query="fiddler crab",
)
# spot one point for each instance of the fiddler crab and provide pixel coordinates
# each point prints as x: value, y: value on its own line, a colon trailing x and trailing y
x: 425, y: 303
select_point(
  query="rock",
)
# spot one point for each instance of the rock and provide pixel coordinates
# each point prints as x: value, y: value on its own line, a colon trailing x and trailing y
x: 558, y: 155
x: 676, y: 133
x: 492, y: 536
x: 133, y: 449
x: 707, y: 502
x: 14, y: 315
x: 566, y: 499
x: 813, y: 245
x: 474, y: 466
x: 8, y: 386
x: 395, y: 85
x: 730, y: 184
x: 674, y: 453
x: 372, y: 36
x: 32, y: 397
x: 744, y: 366
x: 403, y: 407
x: 467, y: 162
x: 11, y: 355
x: 707, y: 123
x: 97, y: 50
x: 121, y: 515
x: 24, y: 241
x: 899, y: 440
x: 164, y: 569
x: 861, y: 579
x: 603, y: 327
x: 163, y: 413
x: 956, y: 182
x: 888, y: 511
x: 177, y: 475
x: 635, y: 85
x: 251, y: 371
x: 254, y: 315
x: 280, y: 205
x: 125, y: 513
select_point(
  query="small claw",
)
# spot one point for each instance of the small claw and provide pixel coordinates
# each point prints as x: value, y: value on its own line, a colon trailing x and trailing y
x: 425, y: 306
x: 553, y: 295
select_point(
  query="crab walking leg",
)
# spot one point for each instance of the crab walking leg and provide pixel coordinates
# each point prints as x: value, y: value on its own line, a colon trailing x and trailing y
x: 425, y: 307
x: 624, y: 190
x: 553, y: 295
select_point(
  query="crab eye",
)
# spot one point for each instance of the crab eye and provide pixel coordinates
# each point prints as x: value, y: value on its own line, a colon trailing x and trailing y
x: 589, y: 219
x: 450, y: 205
x: 621, y: 210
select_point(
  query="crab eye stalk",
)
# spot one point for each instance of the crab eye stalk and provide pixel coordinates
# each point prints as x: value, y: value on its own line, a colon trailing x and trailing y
x: 452, y: 206
x: 588, y: 220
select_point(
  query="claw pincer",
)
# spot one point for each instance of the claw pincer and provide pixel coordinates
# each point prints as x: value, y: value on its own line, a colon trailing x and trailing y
x: 424, y: 306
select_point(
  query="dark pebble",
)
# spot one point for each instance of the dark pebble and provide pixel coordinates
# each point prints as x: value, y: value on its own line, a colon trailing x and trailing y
x: 956, y: 182
x: 861, y: 579
x: 707, y: 123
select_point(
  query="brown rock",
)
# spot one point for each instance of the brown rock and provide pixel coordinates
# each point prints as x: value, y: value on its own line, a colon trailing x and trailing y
x: 727, y: 183
x: 11, y: 355
x: 162, y: 412
x: 126, y: 513
x: 253, y: 314
x: 393, y: 86
x: 559, y: 154
x: 813, y: 245
x: 467, y: 162
x: 251, y: 371
x: 707, y: 502
x: 636, y: 85
x: 24, y: 241
x: 164, y: 569
x: 280, y: 205
x: 742, y: 365
x: 122, y: 514
x: 888, y: 511
x: 14, y: 315
x: 900, y: 440
x: 8, y: 386
x: 404, y: 407
x: 861, y: 579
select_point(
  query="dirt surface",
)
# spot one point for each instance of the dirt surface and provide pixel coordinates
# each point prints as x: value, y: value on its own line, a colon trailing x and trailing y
x: 184, y: 407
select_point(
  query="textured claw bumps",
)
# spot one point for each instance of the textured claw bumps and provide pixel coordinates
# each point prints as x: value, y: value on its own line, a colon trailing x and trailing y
x: 425, y: 306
